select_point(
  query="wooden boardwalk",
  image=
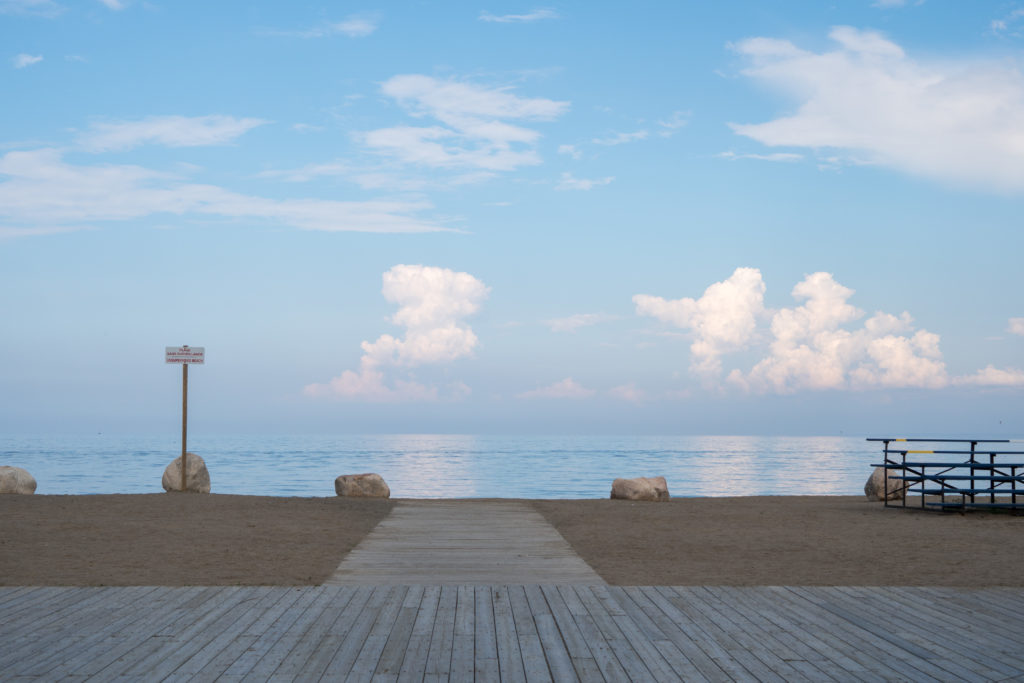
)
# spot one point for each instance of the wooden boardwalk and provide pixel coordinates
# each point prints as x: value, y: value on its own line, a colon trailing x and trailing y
x: 511, y: 632
x: 464, y: 542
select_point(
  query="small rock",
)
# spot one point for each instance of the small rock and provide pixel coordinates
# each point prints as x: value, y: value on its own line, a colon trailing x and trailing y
x: 368, y: 485
x: 879, y: 483
x: 16, y: 480
x: 641, y: 488
x: 198, y: 476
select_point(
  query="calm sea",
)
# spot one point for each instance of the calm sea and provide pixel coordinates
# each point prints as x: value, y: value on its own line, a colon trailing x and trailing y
x: 454, y: 466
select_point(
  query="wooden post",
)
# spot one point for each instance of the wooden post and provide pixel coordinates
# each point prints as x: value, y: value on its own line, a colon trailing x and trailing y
x: 184, y: 425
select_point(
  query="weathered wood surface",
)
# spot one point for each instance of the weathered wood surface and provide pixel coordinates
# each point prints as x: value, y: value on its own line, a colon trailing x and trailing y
x: 511, y: 632
x: 460, y: 543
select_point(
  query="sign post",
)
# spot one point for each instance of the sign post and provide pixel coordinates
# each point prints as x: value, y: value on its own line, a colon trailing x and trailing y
x: 184, y: 355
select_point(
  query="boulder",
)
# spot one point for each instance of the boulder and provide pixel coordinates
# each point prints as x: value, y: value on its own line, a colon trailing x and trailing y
x: 368, y: 485
x: 641, y: 488
x: 16, y: 480
x: 879, y: 482
x: 198, y: 475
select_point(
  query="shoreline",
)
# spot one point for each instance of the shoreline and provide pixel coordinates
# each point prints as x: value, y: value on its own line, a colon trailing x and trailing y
x: 233, y: 539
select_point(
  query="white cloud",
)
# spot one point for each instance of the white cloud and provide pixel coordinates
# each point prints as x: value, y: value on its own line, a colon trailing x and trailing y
x: 809, y: 346
x: 113, y: 4
x: 889, y: 3
x: 785, y: 157
x: 621, y: 138
x: 574, y: 322
x: 352, y: 27
x: 39, y: 8
x: 172, y: 131
x: 957, y: 121
x: 22, y: 60
x: 475, y: 131
x: 991, y: 376
x: 1016, y: 326
x: 535, y: 15
x: 355, y: 27
x: 568, y: 182
x: 432, y: 305
x: 566, y: 388
x: 724, y: 319
x: 308, y: 172
x: 571, y: 151
x: 1009, y: 25
x: 42, y: 193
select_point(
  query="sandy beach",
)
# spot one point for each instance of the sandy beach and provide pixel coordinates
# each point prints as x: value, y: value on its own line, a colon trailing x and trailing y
x: 175, y: 540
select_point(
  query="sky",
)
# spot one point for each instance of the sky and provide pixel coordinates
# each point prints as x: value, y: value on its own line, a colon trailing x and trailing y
x: 578, y: 218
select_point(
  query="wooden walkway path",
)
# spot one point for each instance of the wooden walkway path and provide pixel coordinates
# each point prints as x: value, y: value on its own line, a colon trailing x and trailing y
x: 512, y: 633
x: 464, y: 542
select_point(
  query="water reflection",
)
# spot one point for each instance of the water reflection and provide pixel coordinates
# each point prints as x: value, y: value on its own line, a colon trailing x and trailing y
x: 454, y: 466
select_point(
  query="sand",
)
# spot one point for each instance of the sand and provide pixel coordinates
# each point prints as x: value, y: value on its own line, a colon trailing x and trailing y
x: 190, y: 539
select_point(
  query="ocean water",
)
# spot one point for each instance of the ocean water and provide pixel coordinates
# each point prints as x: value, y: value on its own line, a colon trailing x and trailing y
x: 454, y: 466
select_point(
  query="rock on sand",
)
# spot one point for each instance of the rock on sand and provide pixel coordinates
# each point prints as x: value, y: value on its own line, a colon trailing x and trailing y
x: 368, y: 485
x: 16, y: 480
x: 878, y: 483
x: 198, y: 475
x: 641, y: 488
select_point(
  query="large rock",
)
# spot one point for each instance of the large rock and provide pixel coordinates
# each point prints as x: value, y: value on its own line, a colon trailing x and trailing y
x: 641, y: 488
x: 879, y: 483
x: 362, y: 486
x: 16, y: 480
x: 198, y: 476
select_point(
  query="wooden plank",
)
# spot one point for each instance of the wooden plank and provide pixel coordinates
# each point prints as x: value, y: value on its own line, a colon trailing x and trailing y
x: 555, y: 650
x: 389, y: 663
x: 510, y: 659
x: 276, y: 643
x: 439, y: 655
x: 485, y: 643
x: 604, y: 656
x: 630, y: 660
x: 630, y: 600
x: 369, y: 655
x: 327, y: 648
x: 535, y: 666
x: 462, y: 641
x: 579, y: 652
x: 415, y: 660
x: 651, y: 656
x: 328, y: 610
x: 351, y: 647
x: 59, y: 612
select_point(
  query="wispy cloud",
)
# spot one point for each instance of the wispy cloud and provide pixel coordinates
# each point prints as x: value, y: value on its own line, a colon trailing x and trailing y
x: 22, y: 60
x: 568, y: 182
x: 1016, y: 326
x: 171, y: 131
x: 672, y: 124
x: 352, y: 27
x: 113, y: 4
x: 956, y: 121
x: 621, y: 138
x: 534, y: 15
x: 1009, y: 24
x: 574, y: 322
x: 570, y: 151
x: 40, y: 192
x: 566, y: 388
x: 39, y: 8
x: 786, y: 157
x: 473, y: 131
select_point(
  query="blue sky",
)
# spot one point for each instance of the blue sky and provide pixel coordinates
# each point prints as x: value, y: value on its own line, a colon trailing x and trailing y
x: 677, y: 217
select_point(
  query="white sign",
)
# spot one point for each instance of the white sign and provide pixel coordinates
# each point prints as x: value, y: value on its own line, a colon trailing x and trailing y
x: 185, y: 354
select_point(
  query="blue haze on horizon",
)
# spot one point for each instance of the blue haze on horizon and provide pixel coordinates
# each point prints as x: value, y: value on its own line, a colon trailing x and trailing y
x: 571, y: 218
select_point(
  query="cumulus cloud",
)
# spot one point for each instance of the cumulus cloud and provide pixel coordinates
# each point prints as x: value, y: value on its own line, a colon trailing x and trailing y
x: 1016, y: 326
x: 40, y: 192
x: 818, y: 344
x: 724, y: 319
x: 432, y: 303
x: 574, y: 322
x: 566, y: 388
x: 171, y: 131
x: 22, y: 60
x: 474, y: 132
x: 535, y: 15
x: 568, y: 182
x: 628, y: 392
x: 991, y: 376
x: 621, y: 138
x: 956, y: 121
